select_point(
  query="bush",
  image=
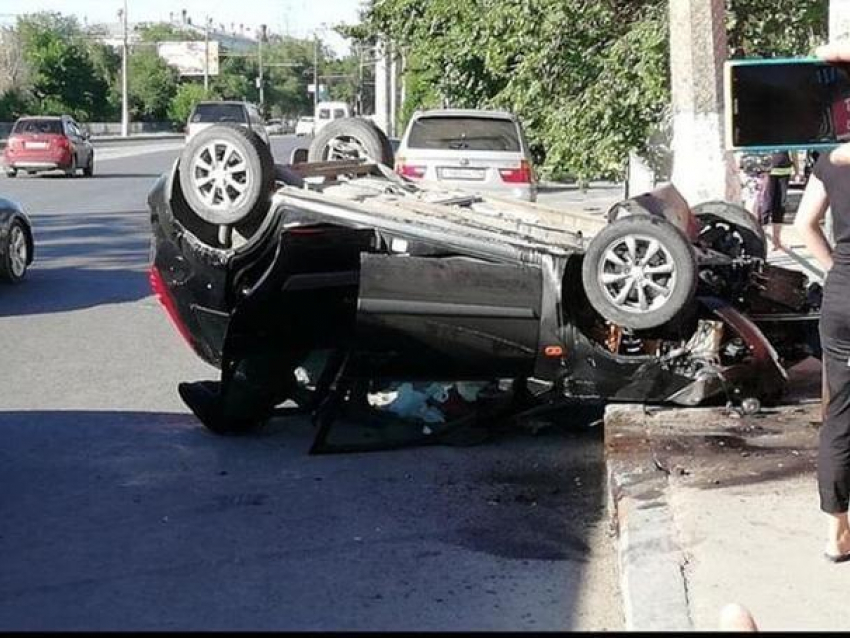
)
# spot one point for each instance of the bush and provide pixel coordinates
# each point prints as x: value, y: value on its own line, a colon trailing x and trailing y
x: 187, y: 96
x: 13, y: 104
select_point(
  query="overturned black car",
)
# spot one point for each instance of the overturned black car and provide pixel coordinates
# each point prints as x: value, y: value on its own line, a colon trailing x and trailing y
x: 261, y: 266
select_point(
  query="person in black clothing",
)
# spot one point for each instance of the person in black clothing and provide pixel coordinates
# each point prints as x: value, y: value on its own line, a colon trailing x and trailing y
x: 776, y: 195
x: 828, y: 187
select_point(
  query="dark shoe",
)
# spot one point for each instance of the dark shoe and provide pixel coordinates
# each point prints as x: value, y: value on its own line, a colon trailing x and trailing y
x: 841, y: 558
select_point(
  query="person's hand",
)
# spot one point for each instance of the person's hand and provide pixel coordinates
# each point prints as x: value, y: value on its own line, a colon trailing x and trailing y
x: 837, y: 52
x: 834, y: 51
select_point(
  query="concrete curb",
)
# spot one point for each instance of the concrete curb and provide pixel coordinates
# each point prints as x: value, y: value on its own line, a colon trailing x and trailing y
x: 109, y: 140
x: 651, y: 562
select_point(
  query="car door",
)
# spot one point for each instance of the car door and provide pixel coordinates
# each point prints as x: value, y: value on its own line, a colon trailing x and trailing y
x: 255, y: 122
x: 449, y: 318
x: 85, y: 137
x: 75, y: 136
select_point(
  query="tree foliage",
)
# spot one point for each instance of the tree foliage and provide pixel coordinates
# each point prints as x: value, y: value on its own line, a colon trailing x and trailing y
x: 152, y: 85
x: 766, y: 28
x: 49, y: 64
x: 186, y: 96
x: 164, y: 32
x: 62, y: 75
x: 590, y: 80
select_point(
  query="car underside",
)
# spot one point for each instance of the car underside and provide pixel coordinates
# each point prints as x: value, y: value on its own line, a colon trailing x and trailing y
x: 394, y: 281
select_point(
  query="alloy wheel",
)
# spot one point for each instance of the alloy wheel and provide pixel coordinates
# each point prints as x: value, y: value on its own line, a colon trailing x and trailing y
x: 637, y: 273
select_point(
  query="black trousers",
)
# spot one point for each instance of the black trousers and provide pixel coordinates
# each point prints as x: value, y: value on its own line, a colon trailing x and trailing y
x: 834, y: 445
x: 775, y: 198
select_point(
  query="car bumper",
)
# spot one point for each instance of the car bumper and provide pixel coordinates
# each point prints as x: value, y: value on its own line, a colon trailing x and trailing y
x: 522, y: 192
x: 27, y: 165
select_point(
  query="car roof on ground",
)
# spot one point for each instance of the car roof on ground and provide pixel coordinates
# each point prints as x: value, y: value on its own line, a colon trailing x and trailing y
x: 42, y: 117
x: 483, y: 113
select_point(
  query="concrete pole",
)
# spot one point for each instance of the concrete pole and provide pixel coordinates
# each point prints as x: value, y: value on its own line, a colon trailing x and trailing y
x: 359, y: 99
x: 125, y: 101
x: 315, y: 76
x: 393, y: 119
x: 702, y: 168
x: 207, y: 55
x: 382, y: 87
x: 260, y: 64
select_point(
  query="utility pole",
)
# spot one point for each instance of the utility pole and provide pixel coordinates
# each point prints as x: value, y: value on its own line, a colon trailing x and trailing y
x: 360, y: 79
x: 207, y: 26
x: 315, y: 73
x: 125, y: 109
x: 702, y: 168
x: 260, y: 63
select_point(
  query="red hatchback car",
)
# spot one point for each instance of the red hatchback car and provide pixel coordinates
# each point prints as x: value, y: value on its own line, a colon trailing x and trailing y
x: 48, y: 143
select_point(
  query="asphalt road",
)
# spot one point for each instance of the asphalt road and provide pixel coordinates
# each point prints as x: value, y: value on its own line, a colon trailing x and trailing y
x: 118, y: 511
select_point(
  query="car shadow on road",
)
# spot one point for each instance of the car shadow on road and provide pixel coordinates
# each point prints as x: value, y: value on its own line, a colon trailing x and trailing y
x: 82, y: 261
x: 64, y: 289
x: 114, y: 507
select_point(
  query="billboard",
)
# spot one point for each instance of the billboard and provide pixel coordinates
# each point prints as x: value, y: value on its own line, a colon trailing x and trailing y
x: 188, y: 57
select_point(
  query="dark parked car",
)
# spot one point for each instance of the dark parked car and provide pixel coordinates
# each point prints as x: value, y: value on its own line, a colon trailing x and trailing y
x: 39, y: 144
x: 206, y: 114
x: 17, y: 247
x: 261, y: 267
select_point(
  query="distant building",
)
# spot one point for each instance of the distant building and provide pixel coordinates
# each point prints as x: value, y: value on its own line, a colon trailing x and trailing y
x: 233, y: 39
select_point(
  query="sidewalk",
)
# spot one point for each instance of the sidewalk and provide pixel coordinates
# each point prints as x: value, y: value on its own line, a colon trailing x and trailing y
x: 714, y: 508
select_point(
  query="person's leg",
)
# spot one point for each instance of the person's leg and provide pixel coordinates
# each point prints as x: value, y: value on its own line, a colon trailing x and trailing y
x: 779, y: 195
x: 734, y: 617
x: 763, y: 199
x: 834, y: 446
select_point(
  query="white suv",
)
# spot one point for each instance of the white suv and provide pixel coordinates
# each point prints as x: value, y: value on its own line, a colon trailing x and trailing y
x: 328, y: 112
x: 205, y: 114
x: 476, y: 150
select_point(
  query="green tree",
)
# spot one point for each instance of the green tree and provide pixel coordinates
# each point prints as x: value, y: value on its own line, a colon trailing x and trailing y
x: 235, y: 80
x: 187, y: 95
x: 62, y: 75
x: 767, y: 28
x: 152, y: 86
x: 590, y: 80
x: 165, y: 32
x: 286, y: 87
x: 13, y: 104
x: 107, y: 64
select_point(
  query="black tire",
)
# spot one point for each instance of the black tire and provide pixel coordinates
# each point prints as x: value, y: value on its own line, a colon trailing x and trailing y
x: 72, y: 171
x: 11, y: 172
x: 13, y: 265
x: 362, y: 139
x: 673, y: 264
x: 257, y: 177
x: 743, y: 234
x: 88, y: 171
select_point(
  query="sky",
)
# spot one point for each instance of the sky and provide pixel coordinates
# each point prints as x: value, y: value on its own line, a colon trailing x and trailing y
x: 297, y: 17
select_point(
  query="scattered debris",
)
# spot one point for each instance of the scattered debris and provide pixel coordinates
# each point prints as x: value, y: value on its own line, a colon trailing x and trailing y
x: 428, y: 402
